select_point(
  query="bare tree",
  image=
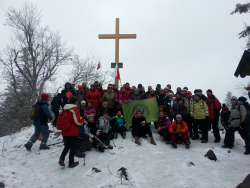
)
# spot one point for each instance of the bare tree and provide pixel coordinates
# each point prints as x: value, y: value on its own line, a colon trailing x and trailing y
x: 227, y: 100
x: 32, y: 59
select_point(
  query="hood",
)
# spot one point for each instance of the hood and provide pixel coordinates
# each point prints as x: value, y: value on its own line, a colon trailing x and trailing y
x: 69, y: 84
x: 137, y: 117
x: 69, y: 106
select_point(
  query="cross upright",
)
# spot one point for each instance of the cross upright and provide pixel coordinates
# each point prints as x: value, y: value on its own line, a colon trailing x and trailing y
x: 117, y: 36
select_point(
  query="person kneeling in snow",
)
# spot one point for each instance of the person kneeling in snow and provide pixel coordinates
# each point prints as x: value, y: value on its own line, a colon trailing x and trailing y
x: 118, y: 124
x: 70, y: 134
x: 179, y: 130
x: 140, y: 128
x: 91, y: 129
x: 40, y: 123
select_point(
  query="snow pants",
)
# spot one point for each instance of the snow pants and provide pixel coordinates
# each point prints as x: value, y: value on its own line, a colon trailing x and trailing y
x: 203, y: 126
x: 165, y: 134
x: 55, y: 110
x: 140, y: 132
x: 38, y: 129
x: 190, y: 125
x: 69, y: 144
x: 215, y: 126
x: 229, y: 138
x: 83, y: 145
x: 116, y: 128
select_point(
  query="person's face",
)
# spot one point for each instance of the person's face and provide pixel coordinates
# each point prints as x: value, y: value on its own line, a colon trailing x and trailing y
x: 105, y: 115
x: 133, y: 87
x: 136, y: 92
x: 149, y: 88
x: 96, y: 84
x: 127, y: 85
x: 152, y: 92
x: 162, y: 92
x: 47, y: 99
x: 178, y: 96
x: 138, y: 114
x: 170, y: 96
x: 91, y: 119
x: 184, y: 93
x: 83, y: 105
x: 73, y: 85
x: 165, y: 90
x: 122, y: 89
x: 143, y: 88
x: 92, y: 88
x: 178, y: 119
x: 178, y: 89
x: 189, y: 95
x: 84, y: 85
x: 105, y: 106
x: 119, y: 113
x: 114, y: 87
x: 158, y: 87
x: 110, y: 90
x: 68, y: 86
x: 81, y: 89
x: 233, y: 101
x: 196, y: 98
x: 139, y: 88
x: 89, y: 104
x: 161, y: 114
x: 209, y: 94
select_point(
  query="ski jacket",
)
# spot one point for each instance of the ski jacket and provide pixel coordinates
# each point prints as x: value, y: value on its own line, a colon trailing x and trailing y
x: 110, y: 99
x: 95, y: 97
x: 189, y: 103
x: 213, y: 106
x: 162, y: 100
x: 56, y: 101
x: 184, y: 127
x: 152, y: 96
x: 120, y: 96
x: 238, y: 115
x: 74, y: 118
x: 101, y: 111
x: 44, y: 113
x: 82, y: 134
x: 134, y: 97
x: 199, y: 110
x: 179, y: 107
x: 128, y: 91
x: 90, y: 129
x: 65, y: 91
x: 224, y: 117
x: 120, y: 120
x: 163, y: 123
x: 103, y: 126
x: 136, y: 122
x: 89, y: 110
x: 81, y: 96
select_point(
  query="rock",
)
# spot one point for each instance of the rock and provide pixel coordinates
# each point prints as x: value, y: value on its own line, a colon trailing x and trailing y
x: 245, y: 183
x: 96, y: 170
x: 211, y: 155
x: 2, y: 185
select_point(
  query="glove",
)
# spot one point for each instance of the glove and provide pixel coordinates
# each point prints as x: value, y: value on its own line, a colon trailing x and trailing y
x: 173, y: 133
x: 178, y: 133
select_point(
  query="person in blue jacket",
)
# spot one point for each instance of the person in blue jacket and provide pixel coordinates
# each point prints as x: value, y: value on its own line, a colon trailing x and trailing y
x: 41, y: 124
x: 118, y: 124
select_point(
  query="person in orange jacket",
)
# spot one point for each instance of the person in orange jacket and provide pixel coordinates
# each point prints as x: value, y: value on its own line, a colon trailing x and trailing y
x: 178, y: 130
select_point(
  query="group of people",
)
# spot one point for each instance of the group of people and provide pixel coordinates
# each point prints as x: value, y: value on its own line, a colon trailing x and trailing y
x: 92, y: 117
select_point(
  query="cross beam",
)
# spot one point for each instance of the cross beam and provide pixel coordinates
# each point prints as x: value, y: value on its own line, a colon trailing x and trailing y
x: 117, y: 36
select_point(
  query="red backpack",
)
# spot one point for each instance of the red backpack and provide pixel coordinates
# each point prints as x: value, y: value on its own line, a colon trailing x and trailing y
x: 63, y: 122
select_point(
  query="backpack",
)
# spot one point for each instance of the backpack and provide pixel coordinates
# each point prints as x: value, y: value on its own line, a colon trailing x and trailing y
x: 214, y: 104
x: 35, y: 112
x: 63, y: 122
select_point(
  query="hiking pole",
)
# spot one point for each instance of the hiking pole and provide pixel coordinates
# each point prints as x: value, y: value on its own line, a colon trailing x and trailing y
x: 104, y: 146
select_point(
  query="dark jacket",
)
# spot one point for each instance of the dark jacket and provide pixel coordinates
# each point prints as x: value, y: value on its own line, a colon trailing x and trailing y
x: 90, y: 129
x: 63, y: 93
x: 134, y: 97
x: 179, y: 107
x: 44, y: 113
x: 203, y: 97
x: 56, y: 101
x: 224, y: 117
x: 136, y: 122
x: 100, y: 112
x: 82, y: 112
x: 162, y: 100
x: 142, y: 94
x: 82, y: 134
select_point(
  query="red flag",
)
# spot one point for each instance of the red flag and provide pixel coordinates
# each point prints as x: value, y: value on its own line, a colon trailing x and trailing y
x: 99, y: 65
x: 118, y: 74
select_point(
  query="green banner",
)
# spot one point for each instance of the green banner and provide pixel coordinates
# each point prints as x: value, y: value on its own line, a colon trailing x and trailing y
x: 149, y: 108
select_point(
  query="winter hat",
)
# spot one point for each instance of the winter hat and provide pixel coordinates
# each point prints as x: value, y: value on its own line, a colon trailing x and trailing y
x: 178, y: 93
x: 114, y: 84
x: 83, y: 102
x: 189, y: 92
x: 73, y: 83
x: 185, y: 88
x: 105, y: 112
x: 158, y: 85
x: 170, y: 94
x: 95, y: 82
x: 139, y: 85
x: 234, y: 98
x: 224, y: 108
x: 80, y: 87
x: 198, y: 95
x: 195, y: 91
x: 44, y: 96
x: 136, y: 90
x: 92, y: 85
x: 161, y: 90
x: 138, y: 111
x: 242, y: 99
x: 209, y: 90
x: 169, y: 86
x: 83, y: 82
x: 166, y: 88
x: 199, y: 90
x: 89, y: 102
x: 127, y: 83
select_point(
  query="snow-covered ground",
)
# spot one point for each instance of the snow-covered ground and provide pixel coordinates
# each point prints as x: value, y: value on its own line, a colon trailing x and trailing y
x: 148, y: 166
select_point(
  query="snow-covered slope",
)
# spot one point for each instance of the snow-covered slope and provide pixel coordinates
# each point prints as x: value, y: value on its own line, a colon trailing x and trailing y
x: 148, y: 166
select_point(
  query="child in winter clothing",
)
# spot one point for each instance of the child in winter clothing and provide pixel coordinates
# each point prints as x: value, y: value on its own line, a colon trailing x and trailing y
x: 90, y: 110
x: 118, y: 124
x: 82, y: 109
x: 163, y: 125
x: 41, y: 124
x: 71, y: 133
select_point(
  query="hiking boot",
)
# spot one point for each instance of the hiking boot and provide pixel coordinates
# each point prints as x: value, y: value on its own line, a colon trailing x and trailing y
x: 74, y: 165
x: 195, y: 137
x: 137, y: 141
x: 124, y: 135
x: 44, y: 147
x: 110, y: 147
x: 201, y: 138
x: 101, y: 148
x: 167, y: 142
x: 187, y: 143
x: 172, y: 143
x: 28, y: 146
x: 115, y: 135
x: 204, y: 141
x: 226, y: 146
x: 247, y: 152
x: 61, y: 163
x: 80, y: 154
x: 152, y: 141
x: 216, y: 140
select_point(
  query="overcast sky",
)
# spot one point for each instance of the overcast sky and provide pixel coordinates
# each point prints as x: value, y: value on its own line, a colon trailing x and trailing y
x: 183, y: 43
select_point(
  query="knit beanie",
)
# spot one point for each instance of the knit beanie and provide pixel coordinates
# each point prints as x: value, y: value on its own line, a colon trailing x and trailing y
x: 138, y: 111
x: 80, y: 87
x: 234, y: 98
x: 161, y: 90
x: 89, y: 102
x: 92, y: 85
x: 186, y: 88
x: 44, y: 96
x: 224, y: 108
x: 169, y: 86
x: 83, y: 102
x: 136, y: 90
x: 209, y: 90
x: 166, y: 88
x: 139, y: 85
x: 242, y: 99
x: 189, y: 92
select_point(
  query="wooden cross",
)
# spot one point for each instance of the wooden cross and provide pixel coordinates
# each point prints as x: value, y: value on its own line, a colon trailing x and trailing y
x: 117, y: 36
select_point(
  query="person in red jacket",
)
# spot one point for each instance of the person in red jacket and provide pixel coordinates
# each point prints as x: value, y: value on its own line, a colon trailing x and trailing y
x: 127, y: 89
x: 94, y: 96
x: 179, y: 130
x: 121, y: 97
x: 70, y: 134
x: 214, y: 112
